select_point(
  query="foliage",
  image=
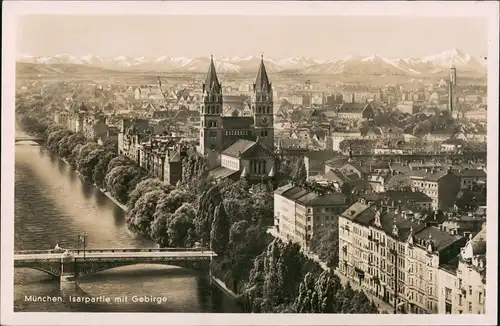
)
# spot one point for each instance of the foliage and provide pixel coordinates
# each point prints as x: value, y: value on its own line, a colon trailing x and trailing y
x: 325, y: 294
x: 119, y: 161
x: 101, y: 168
x: 159, y: 229
x: 87, y: 164
x: 275, y: 277
x: 181, y: 226
x: 219, y: 235
x: 68, y: 143
x: 207, y: 202
x: 54, y: 138
x: 194, y: 173
x: 299, y: 172
x: 145, y: 186
x: 317, y: 294
x: 73, y: 157
x: 118, y: 180
x: 140, y: 217
x: 326, y: 245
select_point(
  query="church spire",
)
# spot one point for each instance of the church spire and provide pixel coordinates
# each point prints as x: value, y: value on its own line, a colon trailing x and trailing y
x: 211, y: 81
x: 262, y: 81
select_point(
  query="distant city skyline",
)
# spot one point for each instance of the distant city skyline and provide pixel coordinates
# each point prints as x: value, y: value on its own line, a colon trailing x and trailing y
x: 318, y: 37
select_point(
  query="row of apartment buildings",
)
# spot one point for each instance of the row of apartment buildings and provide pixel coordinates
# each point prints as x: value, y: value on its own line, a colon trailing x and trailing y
x: 94, y: 125
x: 414, y: 264
x: 417, y: 262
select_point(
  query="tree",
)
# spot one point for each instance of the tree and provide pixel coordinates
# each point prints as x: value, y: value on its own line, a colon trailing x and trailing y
x: 207, y: 202
x: 88, y: 163
x: 170, y: 202
x: 54, y: 138
x: 317, y: 294
x: 117, y: 182
x: 238, y: 231
x: 140, y: 217
x: 110, y: 146
x: 299, y: 172
x: 262, y: 204
x: 159, y: 229
x: 145, y: 186
x: 219, y: 235
x: 67, y: 144
x: 72, y: 158
x: 181, y: 224
x: 101, y: 168
x: 118, y: 161
x: 82, y: 158
x: 276, y: 275
x: 326, y: 244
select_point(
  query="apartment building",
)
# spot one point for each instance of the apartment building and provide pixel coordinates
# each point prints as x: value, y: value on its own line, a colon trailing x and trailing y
x: 395, y: 255
x: 470, y: 177
x: 441, y: 186
x: 338, y: 137
x: 301, y: 212
x: 462, y: 284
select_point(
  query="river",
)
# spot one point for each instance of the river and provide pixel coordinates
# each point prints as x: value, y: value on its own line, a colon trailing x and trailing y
x: 52, y: 205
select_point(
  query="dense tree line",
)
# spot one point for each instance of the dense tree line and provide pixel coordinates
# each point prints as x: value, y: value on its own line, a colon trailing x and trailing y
x: 284, y: 280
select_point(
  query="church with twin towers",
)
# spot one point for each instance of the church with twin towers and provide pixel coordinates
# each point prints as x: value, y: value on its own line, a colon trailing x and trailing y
x: 238, y: 146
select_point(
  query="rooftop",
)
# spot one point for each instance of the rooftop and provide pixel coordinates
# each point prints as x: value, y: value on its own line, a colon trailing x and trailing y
x: 308, y: 197
x: 396, y: 195
x: 238, y: 147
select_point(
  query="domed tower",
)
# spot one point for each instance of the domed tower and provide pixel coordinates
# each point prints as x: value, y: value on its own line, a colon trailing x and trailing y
x: 211, y: 112
x: 262, y: 107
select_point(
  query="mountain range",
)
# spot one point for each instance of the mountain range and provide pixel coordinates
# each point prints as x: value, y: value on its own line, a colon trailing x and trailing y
x: 436, y: 64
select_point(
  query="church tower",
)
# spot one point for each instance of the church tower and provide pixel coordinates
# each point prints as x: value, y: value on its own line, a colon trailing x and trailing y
x: 211, y: 113
x: 262, y: 107
x: 452, y: 83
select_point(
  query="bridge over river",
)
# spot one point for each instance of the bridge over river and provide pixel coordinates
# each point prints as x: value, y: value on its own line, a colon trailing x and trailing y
x: 38, y: 140
x: 69, y: 264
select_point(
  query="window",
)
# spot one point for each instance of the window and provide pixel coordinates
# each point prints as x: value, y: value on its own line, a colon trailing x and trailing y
x: 460, y: 299
x: 447, y: 308
x: 470, y: 306
x: 470, y: 289
x: 480, y: 297
x: 447, y: 294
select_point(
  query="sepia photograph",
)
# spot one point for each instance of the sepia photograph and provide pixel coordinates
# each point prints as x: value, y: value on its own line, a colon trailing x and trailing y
x: 235, y: 163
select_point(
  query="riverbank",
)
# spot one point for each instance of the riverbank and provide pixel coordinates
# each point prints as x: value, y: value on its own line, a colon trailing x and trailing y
x: 103, y: 190
x: 221, y: 285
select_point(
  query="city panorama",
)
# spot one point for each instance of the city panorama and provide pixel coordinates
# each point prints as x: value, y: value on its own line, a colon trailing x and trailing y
x: 250, y: 173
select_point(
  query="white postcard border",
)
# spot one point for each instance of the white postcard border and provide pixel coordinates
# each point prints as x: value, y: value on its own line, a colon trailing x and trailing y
x: 488, y: 10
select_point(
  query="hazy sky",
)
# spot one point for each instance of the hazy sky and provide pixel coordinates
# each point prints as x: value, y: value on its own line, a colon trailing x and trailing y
x: 275, y: 36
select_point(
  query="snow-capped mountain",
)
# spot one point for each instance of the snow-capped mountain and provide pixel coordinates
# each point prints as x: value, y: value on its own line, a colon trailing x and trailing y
x: 454, y: 57
x: 296, y: 63
x: 355, y: 65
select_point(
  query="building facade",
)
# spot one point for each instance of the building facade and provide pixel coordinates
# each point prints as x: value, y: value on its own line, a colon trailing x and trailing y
x: 462, y: 286
x: 394, y: 255
x: 300, y: 213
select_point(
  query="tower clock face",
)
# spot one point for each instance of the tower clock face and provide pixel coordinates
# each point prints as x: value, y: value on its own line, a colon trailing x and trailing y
x: 264, y: 121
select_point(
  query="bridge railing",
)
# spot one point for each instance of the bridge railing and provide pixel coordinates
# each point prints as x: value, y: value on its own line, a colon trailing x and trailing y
x: 110, y: 250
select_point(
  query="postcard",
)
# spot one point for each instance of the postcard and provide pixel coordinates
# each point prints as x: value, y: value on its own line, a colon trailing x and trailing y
x: 260, y: 163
